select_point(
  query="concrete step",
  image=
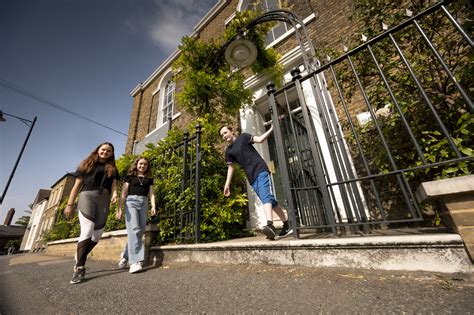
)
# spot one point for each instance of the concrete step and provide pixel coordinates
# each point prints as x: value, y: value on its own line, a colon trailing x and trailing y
x: 439, y: 252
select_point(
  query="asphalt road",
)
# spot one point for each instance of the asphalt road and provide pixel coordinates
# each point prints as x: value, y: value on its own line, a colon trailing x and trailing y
x: 38, y: 284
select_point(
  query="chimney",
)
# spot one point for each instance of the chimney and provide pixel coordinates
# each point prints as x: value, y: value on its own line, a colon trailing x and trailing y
x: 9, y: 217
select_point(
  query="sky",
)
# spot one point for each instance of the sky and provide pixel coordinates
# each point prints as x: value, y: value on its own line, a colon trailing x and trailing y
x: 85, y: 56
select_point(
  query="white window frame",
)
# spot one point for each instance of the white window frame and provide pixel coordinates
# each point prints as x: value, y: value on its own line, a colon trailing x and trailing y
x: 161, y: 91
x: 243, y: 5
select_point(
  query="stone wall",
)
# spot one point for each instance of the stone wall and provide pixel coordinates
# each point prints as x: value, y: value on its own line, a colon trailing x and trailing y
x: 109, y: 248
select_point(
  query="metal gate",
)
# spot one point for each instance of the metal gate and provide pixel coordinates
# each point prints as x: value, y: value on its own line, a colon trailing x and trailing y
x: 353, y: 143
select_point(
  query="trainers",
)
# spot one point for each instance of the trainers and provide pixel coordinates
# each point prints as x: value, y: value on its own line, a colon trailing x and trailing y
x: 269, y: 231
x: 123, y: 263
x: 136, y: 267
x: 79, y: 275
x: 285, y: 231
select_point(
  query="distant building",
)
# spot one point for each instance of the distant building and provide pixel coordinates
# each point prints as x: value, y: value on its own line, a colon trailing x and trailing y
x: 59, y: 191
x: 37, y: 208
x: 9, y: 233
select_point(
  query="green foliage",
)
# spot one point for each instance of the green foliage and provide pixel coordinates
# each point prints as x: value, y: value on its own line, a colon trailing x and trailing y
x: 23, y: 221
x: 210, y: 87
x: 222, y: 218
x: 63, y: 228
x: 439, y: 89
x: 14, y: 243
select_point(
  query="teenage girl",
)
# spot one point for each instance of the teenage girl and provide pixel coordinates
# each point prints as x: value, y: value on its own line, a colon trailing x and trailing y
x: 96, y: 180
x: 137, y: 190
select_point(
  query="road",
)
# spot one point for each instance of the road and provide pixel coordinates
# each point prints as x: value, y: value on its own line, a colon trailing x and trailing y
x: 39, y: 284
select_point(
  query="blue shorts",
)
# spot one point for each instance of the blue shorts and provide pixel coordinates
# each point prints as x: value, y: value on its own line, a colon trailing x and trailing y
x: 262, y: 186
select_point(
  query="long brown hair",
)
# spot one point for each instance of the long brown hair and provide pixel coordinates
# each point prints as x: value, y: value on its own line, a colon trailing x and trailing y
x: 132, y: 171
x: 90, y: 161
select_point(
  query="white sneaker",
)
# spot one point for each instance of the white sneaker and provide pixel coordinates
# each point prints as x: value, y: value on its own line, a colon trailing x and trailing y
x: 123, y: 263
x: 136, y: 267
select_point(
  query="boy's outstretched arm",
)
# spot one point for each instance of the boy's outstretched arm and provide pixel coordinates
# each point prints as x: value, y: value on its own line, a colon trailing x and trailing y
x: 263, y: 137
x: 230, y: 172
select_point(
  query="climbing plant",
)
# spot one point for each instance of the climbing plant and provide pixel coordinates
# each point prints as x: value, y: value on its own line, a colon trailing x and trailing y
x: 209, y: 85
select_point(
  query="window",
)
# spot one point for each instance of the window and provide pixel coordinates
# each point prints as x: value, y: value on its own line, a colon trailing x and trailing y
x: 267, y: 5
x: 167, y: 108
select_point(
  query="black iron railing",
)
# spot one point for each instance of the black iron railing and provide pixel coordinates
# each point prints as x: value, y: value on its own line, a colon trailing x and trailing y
x: 180, y: 217
x: 363, y: 131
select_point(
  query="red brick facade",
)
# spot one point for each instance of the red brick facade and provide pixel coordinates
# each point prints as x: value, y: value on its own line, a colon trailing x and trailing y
x: 328, y: 29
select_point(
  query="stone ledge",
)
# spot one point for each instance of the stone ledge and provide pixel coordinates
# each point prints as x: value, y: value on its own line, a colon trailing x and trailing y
x: 438, y: 253
x: 445, y: 187
x: 367, y: 241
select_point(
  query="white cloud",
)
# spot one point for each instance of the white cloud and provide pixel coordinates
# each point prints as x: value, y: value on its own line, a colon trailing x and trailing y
x: 165, y: 22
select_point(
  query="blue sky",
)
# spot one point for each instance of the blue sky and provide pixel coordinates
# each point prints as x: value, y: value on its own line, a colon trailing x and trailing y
x: 85, y: 56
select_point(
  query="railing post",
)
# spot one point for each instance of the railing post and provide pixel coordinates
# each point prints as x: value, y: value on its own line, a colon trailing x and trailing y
x: 317, y: 158
x: 185, y: 160
x: 282, y: 160
x: 197, y: 205
x: 183, y: 181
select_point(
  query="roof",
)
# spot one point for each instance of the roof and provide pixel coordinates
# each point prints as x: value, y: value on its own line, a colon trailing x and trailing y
x: 62, y: 177
x: 11, y: 230
x: 41, y: 195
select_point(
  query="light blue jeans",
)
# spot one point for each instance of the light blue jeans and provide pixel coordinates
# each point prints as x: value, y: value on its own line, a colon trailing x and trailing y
x: 136, y: 209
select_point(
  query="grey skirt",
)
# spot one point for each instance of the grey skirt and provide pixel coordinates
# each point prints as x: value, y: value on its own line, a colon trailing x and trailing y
x: 94, y: 205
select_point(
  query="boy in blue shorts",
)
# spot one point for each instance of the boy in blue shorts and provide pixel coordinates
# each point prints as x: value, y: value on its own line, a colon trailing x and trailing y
x: 240, y: 150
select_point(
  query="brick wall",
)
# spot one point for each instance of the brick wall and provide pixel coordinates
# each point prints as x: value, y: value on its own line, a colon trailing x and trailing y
x: 328, y: 30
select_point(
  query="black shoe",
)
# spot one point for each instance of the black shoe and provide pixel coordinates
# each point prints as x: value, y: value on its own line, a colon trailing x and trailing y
x: 79, y: 275
x: 285, y: 231
x: 269, y: 231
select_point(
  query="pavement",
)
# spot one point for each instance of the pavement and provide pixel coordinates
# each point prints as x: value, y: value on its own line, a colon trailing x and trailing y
x: 39, y: 284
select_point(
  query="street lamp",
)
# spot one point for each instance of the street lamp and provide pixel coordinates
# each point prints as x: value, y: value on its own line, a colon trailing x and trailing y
x: 241, y: 52
x: 30, y: 124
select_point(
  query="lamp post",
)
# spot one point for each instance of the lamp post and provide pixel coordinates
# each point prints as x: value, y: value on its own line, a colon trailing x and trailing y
x: 30, y: 124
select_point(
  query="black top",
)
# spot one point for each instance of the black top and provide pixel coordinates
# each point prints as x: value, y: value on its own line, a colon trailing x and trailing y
x: 138, y: 185
x: 243, y: 152
x: 97, y: 179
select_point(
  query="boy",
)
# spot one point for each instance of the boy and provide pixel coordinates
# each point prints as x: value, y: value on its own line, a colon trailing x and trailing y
x: 241, y: 151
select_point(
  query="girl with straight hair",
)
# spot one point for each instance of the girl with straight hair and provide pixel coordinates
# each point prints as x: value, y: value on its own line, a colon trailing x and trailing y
x: 137, y: 190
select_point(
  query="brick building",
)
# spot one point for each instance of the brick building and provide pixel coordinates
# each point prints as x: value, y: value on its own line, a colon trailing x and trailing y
x: 327, y: 24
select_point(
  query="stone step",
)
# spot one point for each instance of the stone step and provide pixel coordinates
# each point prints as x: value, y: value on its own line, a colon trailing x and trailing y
x: 440, y: 252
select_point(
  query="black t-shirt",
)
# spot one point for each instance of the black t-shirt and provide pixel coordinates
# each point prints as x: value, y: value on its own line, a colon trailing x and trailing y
x: 97, y: 179
x: 138, y: 185
x: 243, y: 152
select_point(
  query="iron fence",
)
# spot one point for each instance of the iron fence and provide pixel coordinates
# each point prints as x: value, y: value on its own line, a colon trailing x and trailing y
x: 179, y: 209
x: 361, y: 132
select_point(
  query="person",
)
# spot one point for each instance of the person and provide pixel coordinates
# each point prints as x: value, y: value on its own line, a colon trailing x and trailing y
x: 136, y: 191
x: 96, y: 181
x: 241, y: 150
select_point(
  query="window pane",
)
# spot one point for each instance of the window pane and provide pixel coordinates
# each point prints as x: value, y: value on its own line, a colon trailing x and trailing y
x: 168, y: 102
x: 265, y: 6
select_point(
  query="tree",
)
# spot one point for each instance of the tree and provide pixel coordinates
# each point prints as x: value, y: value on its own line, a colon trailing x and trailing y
x: 23, y: 221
